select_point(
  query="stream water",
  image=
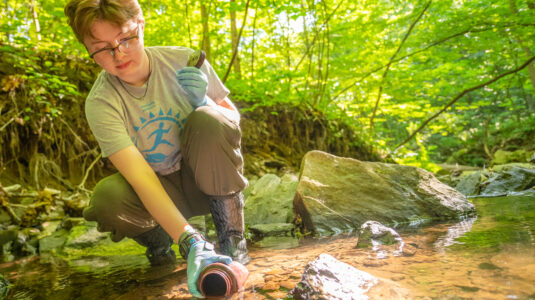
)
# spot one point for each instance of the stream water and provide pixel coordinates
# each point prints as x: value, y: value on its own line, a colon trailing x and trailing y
x: 489, y: 256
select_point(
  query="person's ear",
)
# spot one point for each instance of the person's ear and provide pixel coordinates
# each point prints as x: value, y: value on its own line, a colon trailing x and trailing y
x: 142, y: 23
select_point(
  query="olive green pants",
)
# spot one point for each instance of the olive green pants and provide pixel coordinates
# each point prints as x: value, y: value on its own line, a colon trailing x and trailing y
x: 212, y: 165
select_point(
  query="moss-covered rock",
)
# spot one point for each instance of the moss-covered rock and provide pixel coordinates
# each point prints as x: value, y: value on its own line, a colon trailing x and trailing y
x: 338, y: 194
x: 503, y: 157
x: 270, y: 199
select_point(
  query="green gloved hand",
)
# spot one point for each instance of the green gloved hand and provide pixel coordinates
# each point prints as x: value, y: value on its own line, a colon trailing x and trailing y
x: 199, y: 254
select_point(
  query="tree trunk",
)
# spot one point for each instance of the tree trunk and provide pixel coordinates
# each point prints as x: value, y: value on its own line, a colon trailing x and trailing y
x: 205, y: 42
x: 8, y: 36
x: 234, y: 35
x: 327, y: 42
x: 236, y: 50
x: 35, y: 20
x: 188, y: 24
x: 487, y: 138
x: 253, y: 42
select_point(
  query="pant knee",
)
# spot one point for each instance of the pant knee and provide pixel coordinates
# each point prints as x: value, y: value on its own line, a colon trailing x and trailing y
x: 116, y: 208
x: 206, y: 121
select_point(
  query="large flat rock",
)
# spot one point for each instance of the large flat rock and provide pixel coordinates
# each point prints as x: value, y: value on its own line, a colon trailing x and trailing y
x: 338, y: 194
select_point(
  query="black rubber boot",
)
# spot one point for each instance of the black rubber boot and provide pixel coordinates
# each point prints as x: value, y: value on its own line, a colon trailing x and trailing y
x: 227, y: 212
x: 158, y: 244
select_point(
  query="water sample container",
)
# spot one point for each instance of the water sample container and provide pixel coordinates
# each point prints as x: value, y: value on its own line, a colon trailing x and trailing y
x: 220, y: 280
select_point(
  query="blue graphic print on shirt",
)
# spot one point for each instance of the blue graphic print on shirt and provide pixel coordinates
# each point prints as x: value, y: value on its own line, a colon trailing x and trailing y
x: 155, y: 131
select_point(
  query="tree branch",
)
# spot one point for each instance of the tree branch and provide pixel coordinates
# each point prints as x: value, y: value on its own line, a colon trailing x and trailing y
x: 391, y: 61
x: 460, y: 95
x: 436, y: 43
x: 237, y: 42
x: 316, y: 36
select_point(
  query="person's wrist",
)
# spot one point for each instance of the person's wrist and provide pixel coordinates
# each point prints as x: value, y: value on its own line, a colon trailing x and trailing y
x: 187, y: 239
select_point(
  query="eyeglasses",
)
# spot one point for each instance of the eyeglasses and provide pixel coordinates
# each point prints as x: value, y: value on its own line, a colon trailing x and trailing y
x: 125, y: 46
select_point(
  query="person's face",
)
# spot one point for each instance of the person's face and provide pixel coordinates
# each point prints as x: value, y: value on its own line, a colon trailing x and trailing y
x: 116, y: 48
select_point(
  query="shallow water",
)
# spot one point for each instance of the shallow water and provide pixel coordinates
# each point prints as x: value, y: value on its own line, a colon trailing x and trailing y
x: 490, y: 256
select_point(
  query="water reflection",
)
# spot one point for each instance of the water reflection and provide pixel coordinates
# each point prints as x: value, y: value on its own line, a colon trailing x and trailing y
x: 455, y: 231
x: 48, y: 277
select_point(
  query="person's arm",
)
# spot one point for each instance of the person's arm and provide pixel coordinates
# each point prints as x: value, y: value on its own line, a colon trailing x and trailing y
x: 146, y: 184
x: 193, y: 247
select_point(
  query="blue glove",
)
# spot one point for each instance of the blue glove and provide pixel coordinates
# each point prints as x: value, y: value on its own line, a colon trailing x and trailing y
x: 201, y: 254
x: 195, y: 83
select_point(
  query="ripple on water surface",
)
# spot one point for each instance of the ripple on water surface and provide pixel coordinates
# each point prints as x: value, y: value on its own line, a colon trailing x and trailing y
x: 490, y: 256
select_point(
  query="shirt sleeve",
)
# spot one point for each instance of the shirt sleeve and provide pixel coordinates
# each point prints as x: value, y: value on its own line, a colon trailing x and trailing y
x: 217, y: 91
x: 107, y: 124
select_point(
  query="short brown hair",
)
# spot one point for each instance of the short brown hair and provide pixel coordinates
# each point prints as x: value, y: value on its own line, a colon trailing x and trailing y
x: 83, y: 13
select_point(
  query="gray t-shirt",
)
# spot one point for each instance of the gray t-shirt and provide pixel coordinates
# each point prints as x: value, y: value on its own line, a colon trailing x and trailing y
x: 152, y: 123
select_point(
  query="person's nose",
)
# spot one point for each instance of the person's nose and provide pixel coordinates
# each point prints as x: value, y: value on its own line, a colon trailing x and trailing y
x: 118, y: 54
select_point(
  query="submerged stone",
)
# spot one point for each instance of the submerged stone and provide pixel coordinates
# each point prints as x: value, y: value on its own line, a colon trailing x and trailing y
x: 372, y: 230
x: 337, y: 194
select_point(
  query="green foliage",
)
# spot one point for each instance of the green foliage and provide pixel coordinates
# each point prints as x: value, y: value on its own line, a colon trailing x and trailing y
x: 418, y: 159
x: 50, y: 88
x: 331, y: 56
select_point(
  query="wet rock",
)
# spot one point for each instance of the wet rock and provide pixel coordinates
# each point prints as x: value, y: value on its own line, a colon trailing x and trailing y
x: 269, y: 200
x: 375, y: 231
x: 25, y: 244
x: 374, y: 262
x: 508, y: 167
x: 337, y: 194
x: 328, y: 278
x: 451, y: 174
x: 514, y: 180
x: 273, y: 229
x: 69, y: 223
x: 74, y: 206
x: 53, y: 242
x: 408, y: 250
x: 48, y: 227
x: 82, y: 236
x: 269, y: 206
x: 278, y: 242
x: 384, y: 240
x: 470, y: 182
